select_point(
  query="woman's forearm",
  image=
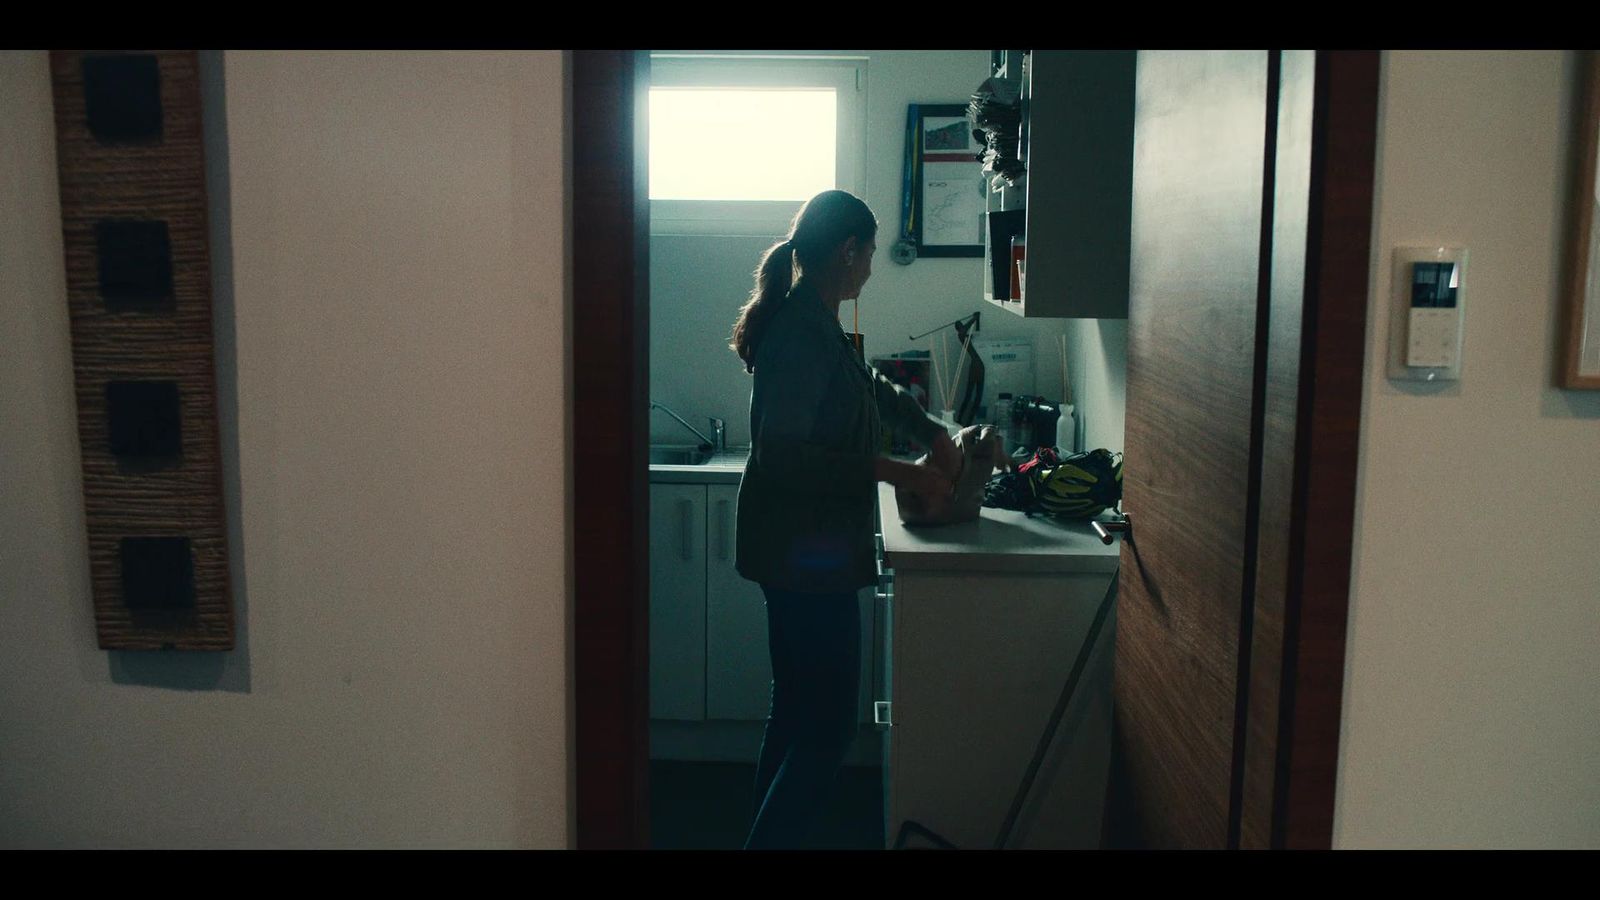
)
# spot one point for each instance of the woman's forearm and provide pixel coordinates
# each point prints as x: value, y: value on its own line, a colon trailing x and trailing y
x: 901, y: 411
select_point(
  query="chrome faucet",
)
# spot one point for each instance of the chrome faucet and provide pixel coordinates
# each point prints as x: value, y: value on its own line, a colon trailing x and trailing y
x: 719, y: 433
x: 716, y: 445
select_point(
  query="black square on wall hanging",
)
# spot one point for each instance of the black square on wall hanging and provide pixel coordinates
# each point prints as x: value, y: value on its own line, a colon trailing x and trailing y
x: 135, y: 263
x: 122, y: 98
x: 157, y: 573
x: 146, y: 420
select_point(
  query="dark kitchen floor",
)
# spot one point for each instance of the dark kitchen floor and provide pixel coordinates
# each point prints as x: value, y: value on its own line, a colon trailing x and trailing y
x: 706, y: 806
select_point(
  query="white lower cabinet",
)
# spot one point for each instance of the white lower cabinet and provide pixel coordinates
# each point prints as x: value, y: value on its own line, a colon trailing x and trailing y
x: 710, y: 668
x: 980, y: 660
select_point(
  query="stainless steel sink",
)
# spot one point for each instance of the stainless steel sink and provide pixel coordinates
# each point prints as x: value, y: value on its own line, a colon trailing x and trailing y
x: 679, y: 455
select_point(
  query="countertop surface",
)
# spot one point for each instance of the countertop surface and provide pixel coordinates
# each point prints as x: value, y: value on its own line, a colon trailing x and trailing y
x: 998, y: 540
x: 726, y: 467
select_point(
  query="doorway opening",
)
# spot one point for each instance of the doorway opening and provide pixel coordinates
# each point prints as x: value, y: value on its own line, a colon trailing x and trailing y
x: 631, y: 719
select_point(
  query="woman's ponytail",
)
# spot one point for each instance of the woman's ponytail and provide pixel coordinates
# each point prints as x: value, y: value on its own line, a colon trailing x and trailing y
x: 774, y: 277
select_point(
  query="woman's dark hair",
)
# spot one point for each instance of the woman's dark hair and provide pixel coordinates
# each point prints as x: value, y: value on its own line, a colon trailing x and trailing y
x: 826, y: 221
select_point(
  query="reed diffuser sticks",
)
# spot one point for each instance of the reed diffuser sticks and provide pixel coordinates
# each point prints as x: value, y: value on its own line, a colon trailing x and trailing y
x: 938, y: 353
x: 1066, y: 383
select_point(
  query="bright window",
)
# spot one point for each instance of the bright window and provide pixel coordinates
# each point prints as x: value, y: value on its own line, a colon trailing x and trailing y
x: 742, y: 143
x: 737, y: 143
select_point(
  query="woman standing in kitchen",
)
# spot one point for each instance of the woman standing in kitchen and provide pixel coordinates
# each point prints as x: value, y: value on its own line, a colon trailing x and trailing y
x: 806, y: 501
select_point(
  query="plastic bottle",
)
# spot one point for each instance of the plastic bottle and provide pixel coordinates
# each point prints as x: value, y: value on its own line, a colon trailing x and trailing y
x: 1066, y: 429
x: 1002, y: 418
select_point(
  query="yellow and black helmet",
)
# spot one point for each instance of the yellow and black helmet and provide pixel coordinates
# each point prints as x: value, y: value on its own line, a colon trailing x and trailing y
x: 1081, y: 486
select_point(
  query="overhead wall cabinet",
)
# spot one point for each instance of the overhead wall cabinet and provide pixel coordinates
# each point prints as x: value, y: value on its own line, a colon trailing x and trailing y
x: 1075, y: 210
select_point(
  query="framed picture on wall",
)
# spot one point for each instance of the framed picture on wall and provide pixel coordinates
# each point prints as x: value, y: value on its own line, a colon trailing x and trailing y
x: 945, y: 187
x: 1580, y: 331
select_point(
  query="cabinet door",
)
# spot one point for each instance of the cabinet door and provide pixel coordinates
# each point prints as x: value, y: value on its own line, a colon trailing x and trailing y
x: 678, y: 601
x: 882, y: 645
x: 883, y: 687
x: 980, y: 661
x: 738, y: 665
x: 1079, y: 127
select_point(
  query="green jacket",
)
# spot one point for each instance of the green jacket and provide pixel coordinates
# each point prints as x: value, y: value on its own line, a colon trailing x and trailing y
x: 807, y: 501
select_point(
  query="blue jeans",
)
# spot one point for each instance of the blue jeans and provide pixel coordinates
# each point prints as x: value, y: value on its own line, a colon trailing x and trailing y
x: 815, y: 642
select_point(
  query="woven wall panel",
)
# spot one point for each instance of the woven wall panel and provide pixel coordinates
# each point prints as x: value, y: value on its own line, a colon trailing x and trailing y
x: 153, y: 180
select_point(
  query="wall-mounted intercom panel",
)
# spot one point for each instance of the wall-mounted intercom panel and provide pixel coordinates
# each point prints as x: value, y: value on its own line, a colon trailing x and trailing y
x: 1428, y: 313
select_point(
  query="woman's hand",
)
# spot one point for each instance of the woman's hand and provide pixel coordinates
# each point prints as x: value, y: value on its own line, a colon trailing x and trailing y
x: 997, y: 451
x: 946, y: 457
x: 925, y: 480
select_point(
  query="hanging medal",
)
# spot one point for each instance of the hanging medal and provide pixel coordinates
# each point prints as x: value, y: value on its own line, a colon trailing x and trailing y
x: 904, y: 251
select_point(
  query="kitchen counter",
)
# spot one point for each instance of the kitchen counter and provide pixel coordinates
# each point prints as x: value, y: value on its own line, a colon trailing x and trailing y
x: 726, y: 467
x: 999, y: 540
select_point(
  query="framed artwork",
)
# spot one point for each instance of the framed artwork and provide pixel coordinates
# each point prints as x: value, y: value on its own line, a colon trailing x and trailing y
x: 944, y: 202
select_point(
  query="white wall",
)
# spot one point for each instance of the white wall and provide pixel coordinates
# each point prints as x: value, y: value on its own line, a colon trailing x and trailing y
x: 394, y: 314
x: 697, y: 284
x: 1473, y: 668
x: 1097, y: 364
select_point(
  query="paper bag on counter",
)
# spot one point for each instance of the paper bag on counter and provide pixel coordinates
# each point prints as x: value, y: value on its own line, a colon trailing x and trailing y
x: 981, y: 453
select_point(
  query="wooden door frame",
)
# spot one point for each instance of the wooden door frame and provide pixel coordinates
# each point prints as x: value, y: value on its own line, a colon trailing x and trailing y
x: 610, y: 364
x: 1296, y: 689
x: 610, y: 382
x: 1328, y: 444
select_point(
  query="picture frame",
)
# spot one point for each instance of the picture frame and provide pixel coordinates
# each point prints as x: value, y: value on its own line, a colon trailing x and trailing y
x: 1580, y: 320
x: 945, y: 189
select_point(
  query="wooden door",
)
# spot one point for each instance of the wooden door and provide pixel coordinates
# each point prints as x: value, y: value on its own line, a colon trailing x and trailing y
x: 1199, y: 156
x: 1243, y: 194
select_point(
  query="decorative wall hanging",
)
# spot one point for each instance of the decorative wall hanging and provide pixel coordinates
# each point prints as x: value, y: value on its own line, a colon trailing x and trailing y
x: 138, y: 263
x: 1580, y: 332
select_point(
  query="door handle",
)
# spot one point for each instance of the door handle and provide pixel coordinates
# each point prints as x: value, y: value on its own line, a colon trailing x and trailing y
x: 1106, y: 529
x: 685, y: 524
